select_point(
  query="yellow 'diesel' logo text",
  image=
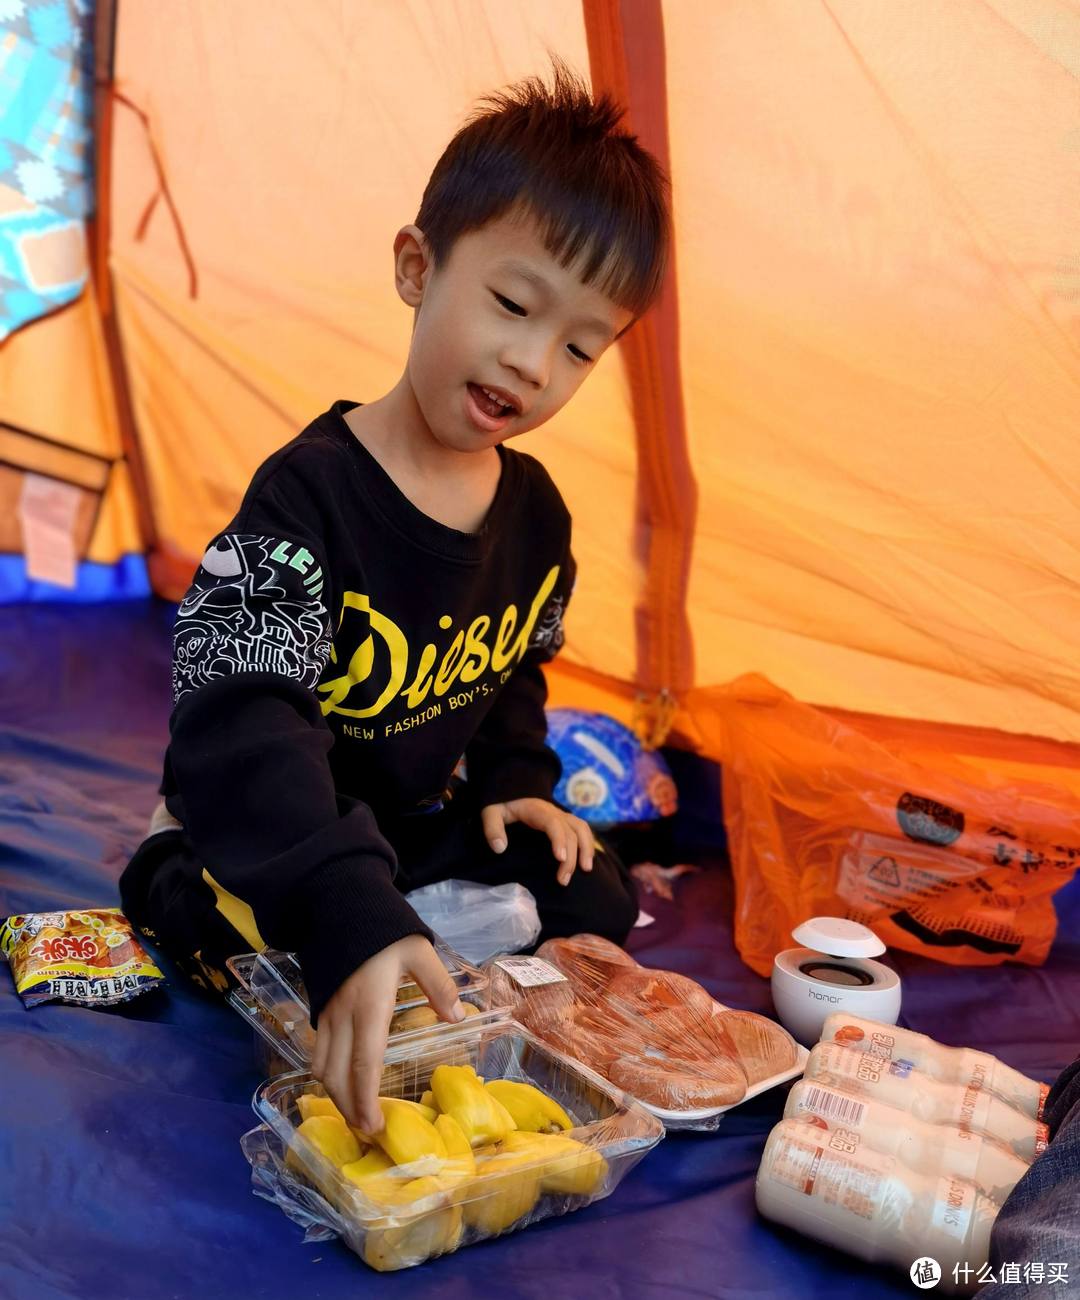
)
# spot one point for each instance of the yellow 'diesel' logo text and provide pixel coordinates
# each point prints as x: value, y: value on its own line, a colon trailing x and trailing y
x: 465, y: 659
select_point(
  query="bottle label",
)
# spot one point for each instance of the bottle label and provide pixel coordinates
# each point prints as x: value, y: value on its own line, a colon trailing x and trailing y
x: 974, y: 1069
x: 953, y: 1207
x: 973, y: 1106
x: 834, y: 1059
x: 851, y: 1063
x: 831, y: 1105
x: 849, y: 1122
x: 897, y: 1083
x: 852, y: 1185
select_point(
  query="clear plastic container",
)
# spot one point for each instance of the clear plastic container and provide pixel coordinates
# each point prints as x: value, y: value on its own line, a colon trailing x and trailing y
x: 273, y: 998
x: 273, y: 1053
x: 453, y: 1213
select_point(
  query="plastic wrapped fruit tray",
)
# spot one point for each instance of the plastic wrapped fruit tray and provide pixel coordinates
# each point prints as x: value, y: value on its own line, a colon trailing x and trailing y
x: 503, y: 1189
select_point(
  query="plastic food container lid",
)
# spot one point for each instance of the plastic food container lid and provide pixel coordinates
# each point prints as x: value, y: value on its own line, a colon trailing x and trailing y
x: 274, y: 999
x: 836, y: 937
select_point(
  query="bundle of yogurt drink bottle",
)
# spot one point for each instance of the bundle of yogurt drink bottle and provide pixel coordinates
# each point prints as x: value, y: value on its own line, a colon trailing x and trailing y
x: 895, y: 1147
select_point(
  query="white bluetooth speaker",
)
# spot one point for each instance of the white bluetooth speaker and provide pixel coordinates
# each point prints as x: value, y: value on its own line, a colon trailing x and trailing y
x: 832, y: 973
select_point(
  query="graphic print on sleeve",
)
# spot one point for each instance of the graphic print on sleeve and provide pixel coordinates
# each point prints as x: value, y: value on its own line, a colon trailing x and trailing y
x: 255, y: 606
x: 549, y: 633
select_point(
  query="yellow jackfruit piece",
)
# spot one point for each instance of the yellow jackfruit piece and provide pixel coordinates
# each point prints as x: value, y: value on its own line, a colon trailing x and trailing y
x: 407, y: 1134
x: 374, y: 1162
x: 428, y: 1099
x: 506, y: 1187
x: 461, y: 1163
x: 433, y: 1233
x: 428, y: 1112
x: 458, y: 1092
x: 308, y: 1105
x: 504, y: 1115
x: 533, y: 1111
x: 569, y: 1167
x: 333, y: 1137
x: 391, y: 1190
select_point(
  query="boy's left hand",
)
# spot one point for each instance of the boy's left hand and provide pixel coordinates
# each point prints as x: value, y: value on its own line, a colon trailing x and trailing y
x: 571, y: 838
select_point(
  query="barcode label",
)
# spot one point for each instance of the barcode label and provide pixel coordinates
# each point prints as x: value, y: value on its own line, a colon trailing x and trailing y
x: 529, y: 972
x: 832, y: 1105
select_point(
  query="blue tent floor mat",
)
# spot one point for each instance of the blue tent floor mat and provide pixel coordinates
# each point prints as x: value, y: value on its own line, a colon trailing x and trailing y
x: 121, y: 1173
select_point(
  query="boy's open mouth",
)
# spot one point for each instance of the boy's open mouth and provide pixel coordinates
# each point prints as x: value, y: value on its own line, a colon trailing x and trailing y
x: 496, y: 410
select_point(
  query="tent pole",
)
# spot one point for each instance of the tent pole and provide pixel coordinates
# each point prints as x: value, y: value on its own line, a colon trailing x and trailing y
x: 627, y: 58
x: 100, y: 230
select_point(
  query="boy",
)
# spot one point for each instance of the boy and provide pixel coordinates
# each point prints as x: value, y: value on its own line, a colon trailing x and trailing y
x: 383, y: 601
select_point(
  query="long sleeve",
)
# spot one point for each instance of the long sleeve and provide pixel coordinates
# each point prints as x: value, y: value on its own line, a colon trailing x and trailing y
x: 249, y: 756
x: 508, y: 758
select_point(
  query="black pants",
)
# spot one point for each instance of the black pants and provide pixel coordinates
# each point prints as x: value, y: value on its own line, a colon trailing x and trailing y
x: 166, y: 894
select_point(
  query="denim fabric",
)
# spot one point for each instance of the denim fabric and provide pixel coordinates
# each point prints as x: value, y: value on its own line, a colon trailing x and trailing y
x: 1040, y: 1222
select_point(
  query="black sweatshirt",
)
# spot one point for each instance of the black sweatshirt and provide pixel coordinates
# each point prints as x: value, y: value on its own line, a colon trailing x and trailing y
x: 338, y: 652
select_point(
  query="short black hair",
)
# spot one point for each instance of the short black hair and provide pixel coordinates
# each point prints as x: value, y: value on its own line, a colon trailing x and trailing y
x: 559, y: 157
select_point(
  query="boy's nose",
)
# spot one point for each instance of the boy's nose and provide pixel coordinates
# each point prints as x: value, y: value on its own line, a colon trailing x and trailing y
x: 533, y: 365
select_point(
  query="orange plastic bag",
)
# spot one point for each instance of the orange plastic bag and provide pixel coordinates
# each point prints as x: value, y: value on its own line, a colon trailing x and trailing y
x: 949, y: 842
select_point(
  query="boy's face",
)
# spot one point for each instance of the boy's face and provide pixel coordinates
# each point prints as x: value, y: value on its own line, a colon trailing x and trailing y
x: 483, y: 322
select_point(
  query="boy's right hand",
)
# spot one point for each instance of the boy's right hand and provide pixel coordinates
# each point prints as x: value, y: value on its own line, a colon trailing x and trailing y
x: 351, y: 1039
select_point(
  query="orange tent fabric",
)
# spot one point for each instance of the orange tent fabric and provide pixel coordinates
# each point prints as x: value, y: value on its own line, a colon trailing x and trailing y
x: 841, y: 450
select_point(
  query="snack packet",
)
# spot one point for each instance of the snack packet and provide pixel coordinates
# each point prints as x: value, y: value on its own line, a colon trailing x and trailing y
x: 90, y: 957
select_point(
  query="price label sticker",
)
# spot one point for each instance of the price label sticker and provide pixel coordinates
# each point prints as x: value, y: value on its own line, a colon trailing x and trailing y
x: 529, y: 972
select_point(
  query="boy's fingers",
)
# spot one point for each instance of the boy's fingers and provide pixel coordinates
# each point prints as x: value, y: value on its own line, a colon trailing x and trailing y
x: 491, y: 818
x: 335, y: 1078
x: 586, y: 843
x: 366, y: 1065
x: 322, y: 1047
x: 432, y: 976
x: 569, y: 854
x: 554, y: 827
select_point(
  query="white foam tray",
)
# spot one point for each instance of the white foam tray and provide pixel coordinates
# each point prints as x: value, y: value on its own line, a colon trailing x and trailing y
x: 677, y: 1117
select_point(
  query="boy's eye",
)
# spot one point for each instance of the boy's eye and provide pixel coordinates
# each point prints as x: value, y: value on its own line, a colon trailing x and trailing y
x: 510, y: 306
x: 520, y: 311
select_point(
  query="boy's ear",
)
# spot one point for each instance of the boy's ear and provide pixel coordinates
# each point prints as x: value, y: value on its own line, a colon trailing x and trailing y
x: 412, y: 264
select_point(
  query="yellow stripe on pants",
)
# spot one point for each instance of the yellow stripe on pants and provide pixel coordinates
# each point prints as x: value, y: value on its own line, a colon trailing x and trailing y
x: 238, y: 913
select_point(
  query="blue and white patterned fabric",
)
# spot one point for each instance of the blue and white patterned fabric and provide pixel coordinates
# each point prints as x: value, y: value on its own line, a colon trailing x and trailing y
x: 46, y: 155
x: 608, y: 778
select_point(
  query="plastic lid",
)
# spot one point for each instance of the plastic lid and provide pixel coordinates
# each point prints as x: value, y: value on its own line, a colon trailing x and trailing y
x: 838, y: 938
